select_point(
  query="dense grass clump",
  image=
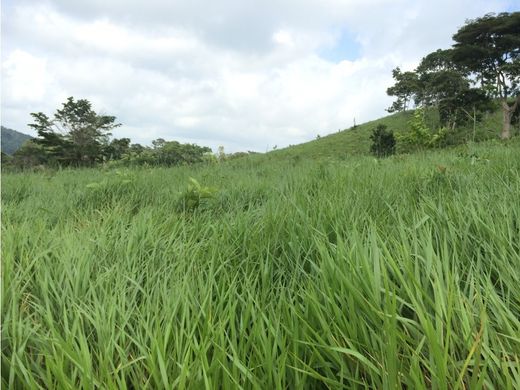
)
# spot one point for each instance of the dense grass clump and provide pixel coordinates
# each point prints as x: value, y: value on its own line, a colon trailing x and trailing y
x: 400, y: 273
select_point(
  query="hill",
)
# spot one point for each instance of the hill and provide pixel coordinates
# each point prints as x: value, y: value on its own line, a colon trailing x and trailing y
x: 12, y: 140
x: 356, y: 141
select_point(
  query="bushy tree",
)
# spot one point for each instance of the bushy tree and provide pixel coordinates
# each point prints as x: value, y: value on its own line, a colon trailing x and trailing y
x: 489, y: 48
x: 76, y: 135
x: 31, y: 154
x: 117, y: 148
x: 405, y: 89
x: 383, y: 142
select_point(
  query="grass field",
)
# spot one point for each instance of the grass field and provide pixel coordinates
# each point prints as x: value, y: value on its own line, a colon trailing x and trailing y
x: 356, y: 273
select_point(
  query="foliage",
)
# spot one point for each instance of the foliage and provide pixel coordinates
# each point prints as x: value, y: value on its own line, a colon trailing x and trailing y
x: 405, y: 89
x: 165, y: 153
x: 31, y: 154
x: 117, y: 178
x: 489, y: 48
x: 420, y: 135
x: 75, y: 136
x: 196, y: 195
x: 6, y: 160
x: 483, y: 64
x: 116, y: 149
x: 341, y: 274
x: 383, y: 142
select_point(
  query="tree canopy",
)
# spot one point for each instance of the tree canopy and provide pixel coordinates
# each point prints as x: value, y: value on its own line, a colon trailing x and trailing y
x: 489, y: 48
x: 76, y: 135
x: 483, y: 64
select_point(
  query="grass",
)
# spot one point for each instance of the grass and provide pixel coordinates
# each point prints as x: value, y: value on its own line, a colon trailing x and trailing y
x: 364, y: 274
x: 356, y: 141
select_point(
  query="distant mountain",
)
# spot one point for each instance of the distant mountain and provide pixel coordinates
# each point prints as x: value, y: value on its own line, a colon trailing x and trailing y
x: 12, y: 140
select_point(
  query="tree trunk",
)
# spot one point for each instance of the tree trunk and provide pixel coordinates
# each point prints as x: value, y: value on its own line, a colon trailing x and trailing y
x: 507, y: 114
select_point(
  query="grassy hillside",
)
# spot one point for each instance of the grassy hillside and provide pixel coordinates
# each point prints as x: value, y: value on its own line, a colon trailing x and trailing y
x: 357, y: 141
x: 362, y: 274
x: 12, y: 140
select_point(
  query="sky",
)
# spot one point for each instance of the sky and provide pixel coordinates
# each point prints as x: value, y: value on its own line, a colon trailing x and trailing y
x: 247, y: 75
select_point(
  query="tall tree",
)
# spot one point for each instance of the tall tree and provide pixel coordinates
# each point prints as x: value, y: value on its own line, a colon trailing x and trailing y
x: 489, y: 47
x: 438, y: 78
x: 445, y: 85
x: 76, y: 135
x: 404, y: 89
x: 117, y: 148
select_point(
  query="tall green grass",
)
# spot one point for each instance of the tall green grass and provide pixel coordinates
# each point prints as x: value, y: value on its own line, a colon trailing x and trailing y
x: 364, y: 274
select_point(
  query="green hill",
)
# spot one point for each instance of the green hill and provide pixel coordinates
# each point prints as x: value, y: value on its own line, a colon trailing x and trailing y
x: 356, y: 141
x: 12, y: 140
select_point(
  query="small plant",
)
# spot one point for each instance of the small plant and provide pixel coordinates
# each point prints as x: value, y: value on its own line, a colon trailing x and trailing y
x: 420, y: 135
x: 119, y: 179
x: 383, y: 142
x: 195, y: 196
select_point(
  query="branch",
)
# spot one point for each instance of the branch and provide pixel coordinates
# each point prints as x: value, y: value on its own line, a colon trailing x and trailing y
x: 502, y: 86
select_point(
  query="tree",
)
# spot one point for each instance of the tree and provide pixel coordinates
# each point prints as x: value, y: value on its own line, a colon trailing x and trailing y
x: 158, y: 143
x: 117, y: 148
x: 76, y: 135
x: 6, y: 160
x: 489, y: 48
x: 439, y: 79
x: 440, y: 83
x: 383, y: 142
x: 405, y: 88
x: 446, y: 86
x: 31, y: 154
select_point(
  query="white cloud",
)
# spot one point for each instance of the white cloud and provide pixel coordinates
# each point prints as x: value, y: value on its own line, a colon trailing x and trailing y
x: 218, y: 73
x: 25, y: 77
x: 283, y: 37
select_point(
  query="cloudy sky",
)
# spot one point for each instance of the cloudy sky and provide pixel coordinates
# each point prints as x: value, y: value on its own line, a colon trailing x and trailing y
x: 247, y: 75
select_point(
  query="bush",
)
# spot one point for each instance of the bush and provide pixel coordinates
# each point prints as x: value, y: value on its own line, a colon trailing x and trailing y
x: 383, y: 142
x: 195, y: 195
x: 420, y: 135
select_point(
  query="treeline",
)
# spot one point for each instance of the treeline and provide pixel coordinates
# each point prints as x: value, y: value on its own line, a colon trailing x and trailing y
x: 76, y: 136
x: 481, y: 68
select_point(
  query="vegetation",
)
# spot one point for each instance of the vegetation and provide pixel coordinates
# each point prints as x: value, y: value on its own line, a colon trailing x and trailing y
x: 489, y: 48
x: 315, y: 266
x: 383, y: 142
x: 351, y: 143
x: 482, y: 65
x: 75, y: 136
x: 360, y: 274
x: 420, y: 135
x: 165, y: 153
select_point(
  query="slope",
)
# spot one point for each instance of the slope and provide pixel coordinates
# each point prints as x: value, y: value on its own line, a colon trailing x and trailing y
x: 356, y: 141
x: 12, y: 140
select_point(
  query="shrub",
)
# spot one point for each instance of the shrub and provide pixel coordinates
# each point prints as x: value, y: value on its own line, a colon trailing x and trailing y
x: 195, y: 196
x: 420, y: 135
x: 383, y: 142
